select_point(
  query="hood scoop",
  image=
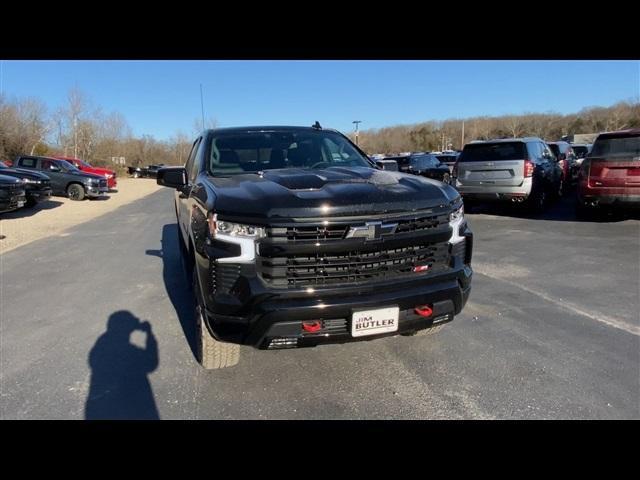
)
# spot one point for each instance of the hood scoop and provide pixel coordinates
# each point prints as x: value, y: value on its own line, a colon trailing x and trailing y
x: 303, y: 179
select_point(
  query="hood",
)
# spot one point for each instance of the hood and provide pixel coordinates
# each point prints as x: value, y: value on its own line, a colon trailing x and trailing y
x: 23, y: 173
x: 99, y: 171
x: 87, y: 175
x: 7, y: 180
x: 336, y: 191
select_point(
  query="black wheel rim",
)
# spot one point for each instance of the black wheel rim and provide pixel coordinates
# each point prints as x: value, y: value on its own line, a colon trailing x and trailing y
x: 73, y: 193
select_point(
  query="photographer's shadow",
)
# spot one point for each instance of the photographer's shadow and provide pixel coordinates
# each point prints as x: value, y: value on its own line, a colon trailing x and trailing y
x: 119, y: 387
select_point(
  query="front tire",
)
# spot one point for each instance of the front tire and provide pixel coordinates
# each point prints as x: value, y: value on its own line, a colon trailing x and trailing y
x: 75, y: 192
x: 212, y: 354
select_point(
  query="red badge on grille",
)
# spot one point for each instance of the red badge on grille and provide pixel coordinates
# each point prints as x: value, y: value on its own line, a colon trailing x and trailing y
x: 421, y: 268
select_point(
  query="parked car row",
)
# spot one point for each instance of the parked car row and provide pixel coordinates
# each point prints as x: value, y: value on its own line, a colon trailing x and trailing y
x: 32, y: 179
x: 532, y: 172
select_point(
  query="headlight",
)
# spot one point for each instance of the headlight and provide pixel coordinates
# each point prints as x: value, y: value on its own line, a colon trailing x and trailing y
x: 457, y: 214
x: 221, y: 227
x: 456, y: 219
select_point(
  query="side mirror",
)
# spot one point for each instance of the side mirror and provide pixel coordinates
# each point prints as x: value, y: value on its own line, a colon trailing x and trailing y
x: 390, y: 165
x: 173, y: 177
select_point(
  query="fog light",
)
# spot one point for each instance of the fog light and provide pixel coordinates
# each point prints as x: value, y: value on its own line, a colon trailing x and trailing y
x: 312, y: 326
x: 424, y: 310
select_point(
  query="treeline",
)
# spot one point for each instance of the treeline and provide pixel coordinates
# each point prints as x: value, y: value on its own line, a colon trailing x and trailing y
x: 433, y: 135
x: 81, y: 129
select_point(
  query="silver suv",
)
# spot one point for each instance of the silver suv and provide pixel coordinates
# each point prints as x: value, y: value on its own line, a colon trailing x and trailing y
x: 518, y: 170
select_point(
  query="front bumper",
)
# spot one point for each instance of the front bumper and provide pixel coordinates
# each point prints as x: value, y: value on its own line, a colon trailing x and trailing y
x: 39, y: 195
x: 254, y: 314
x: 94, y: 191
x: 13, y: 201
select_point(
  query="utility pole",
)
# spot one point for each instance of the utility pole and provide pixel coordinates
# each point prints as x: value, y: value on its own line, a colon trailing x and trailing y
x: 357, y: 122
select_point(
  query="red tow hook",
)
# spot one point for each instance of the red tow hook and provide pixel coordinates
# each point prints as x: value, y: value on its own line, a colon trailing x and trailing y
x: 423, y: 310
x: 312, y: 326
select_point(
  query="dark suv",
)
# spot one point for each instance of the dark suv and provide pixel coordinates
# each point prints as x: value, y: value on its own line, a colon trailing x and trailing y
x: 66, y: 179
x: 423, y: 164
x: 567, y: 160
x: 294, y: 238
x: 37, y: 185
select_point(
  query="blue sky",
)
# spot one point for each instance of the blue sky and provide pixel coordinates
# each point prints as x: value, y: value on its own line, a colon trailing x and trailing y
x: 161, y: 97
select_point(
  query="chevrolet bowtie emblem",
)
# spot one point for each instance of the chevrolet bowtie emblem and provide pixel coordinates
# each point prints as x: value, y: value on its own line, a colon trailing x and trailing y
x: 372, y: 230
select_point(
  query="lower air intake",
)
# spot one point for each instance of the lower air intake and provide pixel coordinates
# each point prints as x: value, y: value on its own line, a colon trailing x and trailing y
x: 283, y: 342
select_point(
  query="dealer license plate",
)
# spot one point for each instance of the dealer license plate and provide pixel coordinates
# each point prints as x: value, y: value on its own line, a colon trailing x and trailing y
x: 373, y: 322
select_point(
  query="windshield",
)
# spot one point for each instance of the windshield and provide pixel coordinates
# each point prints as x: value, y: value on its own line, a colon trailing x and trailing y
x: 580, y: 150
x: 447, y: 158
x: 554, y: 148
x: 236, y: 153
x: 486, y: 152
x: 66, y: 166
x: 623, y: 145
x: 84, y: 164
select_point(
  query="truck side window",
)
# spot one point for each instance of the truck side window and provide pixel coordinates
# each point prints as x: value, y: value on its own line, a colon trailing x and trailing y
x: 27, y: 162
x: 192, y: 155
x: 196, y: 161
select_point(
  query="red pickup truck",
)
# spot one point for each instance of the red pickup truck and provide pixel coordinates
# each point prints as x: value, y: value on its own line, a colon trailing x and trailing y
x: 110, y: 175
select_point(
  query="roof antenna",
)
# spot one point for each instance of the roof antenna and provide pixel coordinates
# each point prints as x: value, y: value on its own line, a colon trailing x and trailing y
x: 316, y: 126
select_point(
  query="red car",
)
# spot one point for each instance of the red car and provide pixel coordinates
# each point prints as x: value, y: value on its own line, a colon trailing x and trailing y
x: 610, y: 173
x: 110, y: 175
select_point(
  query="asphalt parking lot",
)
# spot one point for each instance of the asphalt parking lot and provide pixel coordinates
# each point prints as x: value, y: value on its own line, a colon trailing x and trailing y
x: 552, y: 330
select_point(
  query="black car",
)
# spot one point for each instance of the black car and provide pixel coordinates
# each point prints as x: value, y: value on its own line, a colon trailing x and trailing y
x: 66, y: 179
x: 37, y: 185
x: 294, y: 238
x: 12, y: 193
x: 423, y: 164
x: 150, y: 171
x: 448, y: 159
x: 567, y: 160
x: 581, y: 151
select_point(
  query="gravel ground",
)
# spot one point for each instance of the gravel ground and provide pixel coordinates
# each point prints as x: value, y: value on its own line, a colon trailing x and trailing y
x: 59, y: 213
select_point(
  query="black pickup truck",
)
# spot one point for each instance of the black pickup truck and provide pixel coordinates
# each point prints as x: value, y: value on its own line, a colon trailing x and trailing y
x: 294, y: 238
x: 37, y: 185
x: 12, y: 193
x: 150, y: 171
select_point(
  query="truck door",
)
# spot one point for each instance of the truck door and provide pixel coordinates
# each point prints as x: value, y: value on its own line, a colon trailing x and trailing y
x: 182, y: 197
